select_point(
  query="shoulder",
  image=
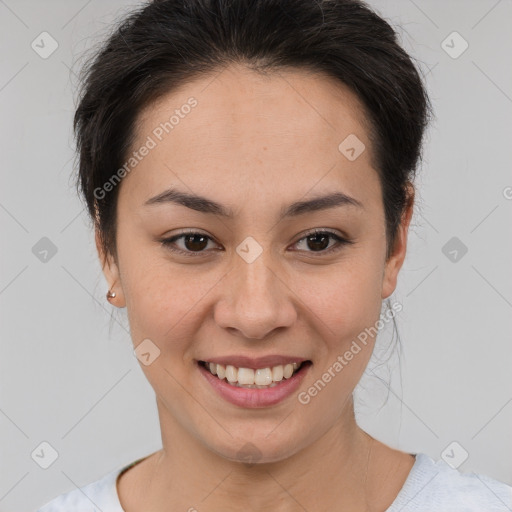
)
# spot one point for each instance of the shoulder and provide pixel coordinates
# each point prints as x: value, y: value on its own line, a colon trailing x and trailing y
x: 98, y: 496
x: 435, y: 485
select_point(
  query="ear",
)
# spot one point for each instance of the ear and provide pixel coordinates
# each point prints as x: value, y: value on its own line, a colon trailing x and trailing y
x: 396, y: 259
x: 111, y: 272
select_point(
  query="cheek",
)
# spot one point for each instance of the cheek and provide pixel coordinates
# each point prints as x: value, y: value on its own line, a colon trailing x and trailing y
x: 164, y: 301
x: 345, y: 298
x: 346, y: 307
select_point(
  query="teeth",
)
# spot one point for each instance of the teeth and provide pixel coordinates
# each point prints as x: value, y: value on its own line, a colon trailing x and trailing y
x: 231, y: 373
x: 262, y: 377
x: 221, y: 371
x: 245, y: 375
x: 277, y: 373
x: 249, y: 378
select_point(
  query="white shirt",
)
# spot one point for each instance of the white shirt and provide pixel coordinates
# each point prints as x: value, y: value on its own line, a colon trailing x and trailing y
x: 430, y: 487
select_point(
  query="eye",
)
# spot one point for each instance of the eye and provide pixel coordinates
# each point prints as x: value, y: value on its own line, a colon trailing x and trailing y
x: 195, y: 242
x: 318, y: 239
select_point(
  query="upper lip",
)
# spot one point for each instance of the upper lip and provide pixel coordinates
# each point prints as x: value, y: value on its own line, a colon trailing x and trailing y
x: 255, y: 362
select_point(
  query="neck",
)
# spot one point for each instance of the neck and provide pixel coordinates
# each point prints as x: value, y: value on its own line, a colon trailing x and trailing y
x: 331, y: 472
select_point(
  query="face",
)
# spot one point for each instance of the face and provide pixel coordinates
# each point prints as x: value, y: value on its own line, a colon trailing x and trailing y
x: 255, y: 282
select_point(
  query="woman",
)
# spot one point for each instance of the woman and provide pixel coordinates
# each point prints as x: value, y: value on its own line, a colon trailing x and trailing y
x: 249, y: 167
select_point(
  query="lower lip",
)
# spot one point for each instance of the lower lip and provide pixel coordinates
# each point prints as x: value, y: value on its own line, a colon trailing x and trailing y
x: 254, y: 397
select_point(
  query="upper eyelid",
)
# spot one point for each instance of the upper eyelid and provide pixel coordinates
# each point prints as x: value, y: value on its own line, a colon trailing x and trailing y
x: 307, y: 233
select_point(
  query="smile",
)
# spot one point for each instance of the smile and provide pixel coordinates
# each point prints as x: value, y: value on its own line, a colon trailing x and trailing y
x: 239, y: 385
x: 260, y: 378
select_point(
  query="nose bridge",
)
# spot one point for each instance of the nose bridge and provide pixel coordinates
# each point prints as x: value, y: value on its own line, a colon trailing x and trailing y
x: 257, y: 298
x: 256, y: 281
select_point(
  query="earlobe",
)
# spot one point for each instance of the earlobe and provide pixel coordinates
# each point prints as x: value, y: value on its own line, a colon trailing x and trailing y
x: 395, y: 261
x: 111, y: 272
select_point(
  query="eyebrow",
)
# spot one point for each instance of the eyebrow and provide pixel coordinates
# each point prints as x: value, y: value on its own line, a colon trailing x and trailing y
x: 205, y: 205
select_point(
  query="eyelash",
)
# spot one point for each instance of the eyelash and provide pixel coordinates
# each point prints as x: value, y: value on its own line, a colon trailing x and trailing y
x: 167, y: 242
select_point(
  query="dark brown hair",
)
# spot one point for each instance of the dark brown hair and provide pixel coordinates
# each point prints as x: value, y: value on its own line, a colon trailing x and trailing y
x: 167, y: 43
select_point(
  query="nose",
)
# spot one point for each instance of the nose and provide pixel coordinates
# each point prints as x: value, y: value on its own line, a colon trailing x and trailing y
x: 256, y: 300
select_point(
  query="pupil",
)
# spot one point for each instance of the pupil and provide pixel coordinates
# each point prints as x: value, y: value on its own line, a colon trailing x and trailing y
x: 324, y: 238
x: 194, y: 236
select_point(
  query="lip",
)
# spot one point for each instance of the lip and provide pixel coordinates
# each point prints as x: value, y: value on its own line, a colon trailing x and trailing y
x: 253, y: 398
x: 255, y: 362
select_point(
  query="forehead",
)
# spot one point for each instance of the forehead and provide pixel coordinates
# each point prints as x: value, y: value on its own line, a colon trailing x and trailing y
x: 278, y: 132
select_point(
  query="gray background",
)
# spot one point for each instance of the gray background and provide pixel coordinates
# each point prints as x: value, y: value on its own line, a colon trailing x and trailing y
x: 69, y: 379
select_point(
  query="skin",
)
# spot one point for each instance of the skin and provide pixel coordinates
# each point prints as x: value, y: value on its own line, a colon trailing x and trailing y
x: 255, y: 144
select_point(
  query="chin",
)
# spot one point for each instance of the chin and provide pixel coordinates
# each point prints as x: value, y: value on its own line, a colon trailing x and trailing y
x: 257, y: 452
